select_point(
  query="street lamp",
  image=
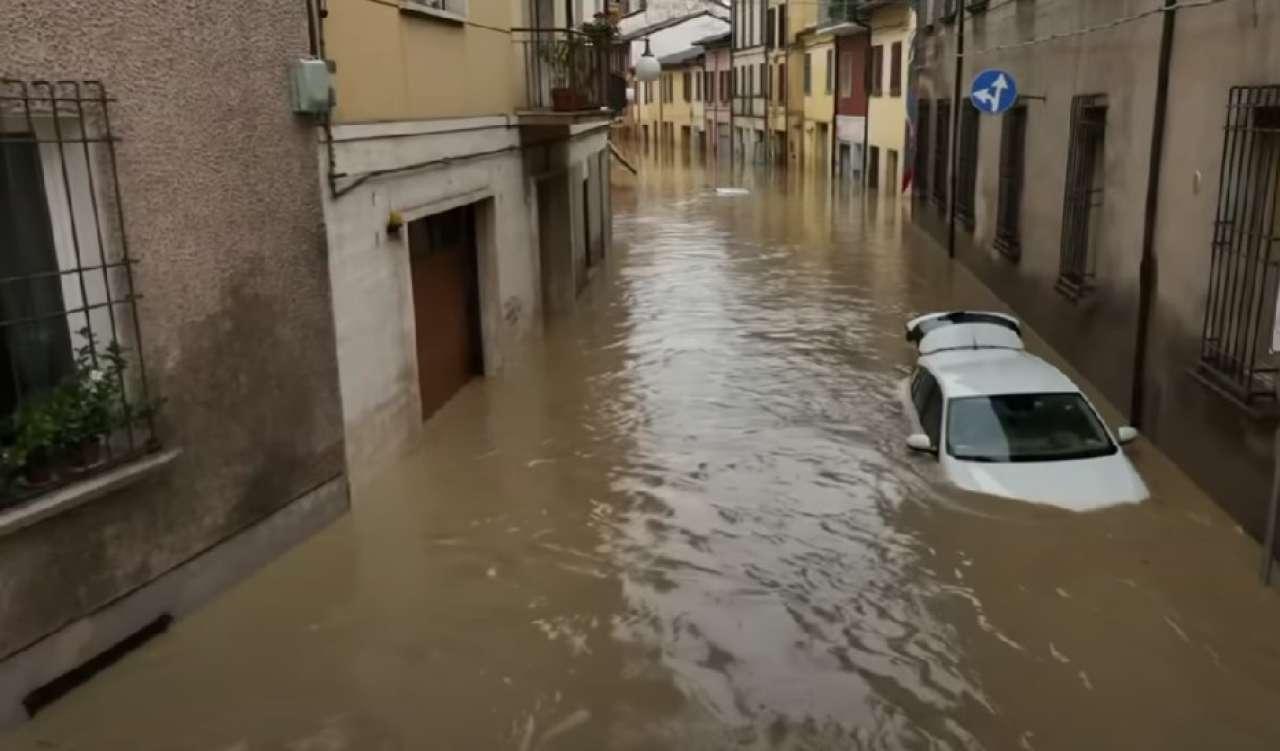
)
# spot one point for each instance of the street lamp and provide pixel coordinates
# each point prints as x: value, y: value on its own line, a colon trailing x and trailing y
x: 647, y: 67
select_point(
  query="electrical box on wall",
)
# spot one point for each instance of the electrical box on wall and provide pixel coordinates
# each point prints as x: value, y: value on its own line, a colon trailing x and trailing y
x: 312, y: 86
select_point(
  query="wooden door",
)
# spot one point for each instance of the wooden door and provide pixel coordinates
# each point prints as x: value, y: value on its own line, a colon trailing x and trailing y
x: 446, y: 304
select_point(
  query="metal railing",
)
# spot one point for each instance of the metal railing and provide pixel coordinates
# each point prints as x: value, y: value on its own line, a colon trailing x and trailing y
x: 1236, y: 344
x: 73, y: 388
x: 569, y: 71
x: 923, y: 149
x: 941, y: 152
x: 1013, y: 160
x: 1083, y: 194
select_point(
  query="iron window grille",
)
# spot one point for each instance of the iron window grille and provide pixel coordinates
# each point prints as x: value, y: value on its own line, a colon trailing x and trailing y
x: 1082, y: 195
x: 895, y: 69
x: 969, y: 120
x: 942, y: 152
x: 875, y: 71
x: 1239, y: 322
x: 924, y: 120
x: 70, y: 342
x: 1013, y: 158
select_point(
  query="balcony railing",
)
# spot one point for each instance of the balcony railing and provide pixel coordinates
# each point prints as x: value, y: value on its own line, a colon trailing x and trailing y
x: 832, y: 12
x: 569, y: 71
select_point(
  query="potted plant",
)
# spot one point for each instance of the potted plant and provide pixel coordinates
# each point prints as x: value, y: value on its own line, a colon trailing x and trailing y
x: 90, y: 403
x: 33, y: 453
x: 561, y: 57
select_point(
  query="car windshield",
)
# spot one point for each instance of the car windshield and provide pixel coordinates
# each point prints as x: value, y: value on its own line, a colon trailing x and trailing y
x: 1025, y: 428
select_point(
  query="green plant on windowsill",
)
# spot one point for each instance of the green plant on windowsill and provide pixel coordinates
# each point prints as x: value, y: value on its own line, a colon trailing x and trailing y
x: 601, y: 29
x: 35, y: 441
x: 65, y: 428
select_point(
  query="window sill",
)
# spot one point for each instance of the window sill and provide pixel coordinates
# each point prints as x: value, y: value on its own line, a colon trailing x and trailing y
x: 1264, y: 412
x: 411, y: 8
x: 81, y: 492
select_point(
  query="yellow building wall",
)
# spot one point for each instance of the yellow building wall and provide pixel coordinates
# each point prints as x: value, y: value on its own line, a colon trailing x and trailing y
x: 888, y: 114
x: 678, y: 113
x: 819, y: 104
x: 394, y: 65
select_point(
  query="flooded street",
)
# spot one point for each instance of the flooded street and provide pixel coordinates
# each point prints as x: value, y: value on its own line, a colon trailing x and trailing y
x: 686, y: 518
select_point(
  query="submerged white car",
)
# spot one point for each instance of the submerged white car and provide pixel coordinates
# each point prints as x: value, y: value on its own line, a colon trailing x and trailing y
x: 1004, y: 422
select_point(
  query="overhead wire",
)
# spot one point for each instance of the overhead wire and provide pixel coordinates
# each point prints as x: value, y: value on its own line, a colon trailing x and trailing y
x: 1114, y: 23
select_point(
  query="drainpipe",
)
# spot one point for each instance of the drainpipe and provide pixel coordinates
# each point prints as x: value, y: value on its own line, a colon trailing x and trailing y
x: 732, y: 82
x: 955, y: 134
x: 835, y: 108
x: 786, y: 103
x: 866, y: 97
x: 1147, y: 268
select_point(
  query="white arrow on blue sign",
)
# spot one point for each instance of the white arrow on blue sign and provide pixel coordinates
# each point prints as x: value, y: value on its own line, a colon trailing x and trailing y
x: 994, y: 91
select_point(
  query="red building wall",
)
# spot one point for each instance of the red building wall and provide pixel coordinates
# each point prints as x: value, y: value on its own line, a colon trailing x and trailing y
x: 852, y: 61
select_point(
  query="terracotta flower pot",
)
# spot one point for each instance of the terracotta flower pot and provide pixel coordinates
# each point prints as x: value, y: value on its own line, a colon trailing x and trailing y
x: 565, y: 99
x: 85, y: 456
x: 38, y: 471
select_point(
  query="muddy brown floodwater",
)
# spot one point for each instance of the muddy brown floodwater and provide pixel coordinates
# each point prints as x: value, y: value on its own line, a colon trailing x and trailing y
x: 686, y: 519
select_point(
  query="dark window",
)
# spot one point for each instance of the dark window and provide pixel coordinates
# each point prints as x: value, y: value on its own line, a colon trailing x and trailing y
x: 876, y: 71
x: 782, y: 25
x: 927, y: 398
x: 969, y: 122
x: 770, y: 28
x: 763, y: 79
x: 1013, y: 148
x: 808, y: 73
x: 686, y: 84
x: 1083, y: 194
x: 873, y: 168
x: 891, y: 170
x: 1235, y: 348
x: 924, y: 119
x: 942, y: 152
x: 726, y: 85
x: 895, y: 69
x: 831, y: 70
x: 782, y: 82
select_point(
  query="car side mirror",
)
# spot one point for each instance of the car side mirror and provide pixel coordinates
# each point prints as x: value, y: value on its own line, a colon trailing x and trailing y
x: 1126, y: 434
x: 920, y: 442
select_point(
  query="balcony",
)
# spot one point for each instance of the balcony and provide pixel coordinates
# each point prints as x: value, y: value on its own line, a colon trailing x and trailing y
x: 570, y: 76
x: 836, y: 12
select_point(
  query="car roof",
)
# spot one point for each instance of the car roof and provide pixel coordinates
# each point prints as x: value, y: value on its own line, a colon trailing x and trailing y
x: 990, y: 372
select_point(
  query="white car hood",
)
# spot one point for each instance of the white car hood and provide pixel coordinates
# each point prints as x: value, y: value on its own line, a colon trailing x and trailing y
x: 1076, y: 485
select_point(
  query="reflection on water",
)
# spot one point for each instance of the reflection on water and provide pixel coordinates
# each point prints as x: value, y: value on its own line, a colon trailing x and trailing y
x: 686, y: 519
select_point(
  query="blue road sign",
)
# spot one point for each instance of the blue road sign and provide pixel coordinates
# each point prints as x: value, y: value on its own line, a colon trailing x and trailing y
x: 994, y: 91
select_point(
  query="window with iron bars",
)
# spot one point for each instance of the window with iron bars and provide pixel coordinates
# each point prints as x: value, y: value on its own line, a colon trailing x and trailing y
x: 1013, y: 160
x: 924, y: 118
x: 968, y: 178
x: 73, y: 389
x: 942, y: 153
x: 1238, y: 343
x: 1082, y: 196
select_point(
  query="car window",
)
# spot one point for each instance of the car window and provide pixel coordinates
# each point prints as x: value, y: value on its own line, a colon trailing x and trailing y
x: 927, y: 398
x: 921, y: 385
x: 1025, y: 428
x: 931, y: 412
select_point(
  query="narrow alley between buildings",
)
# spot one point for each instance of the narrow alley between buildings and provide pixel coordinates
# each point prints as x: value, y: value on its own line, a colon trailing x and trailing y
x: 685, y: 518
